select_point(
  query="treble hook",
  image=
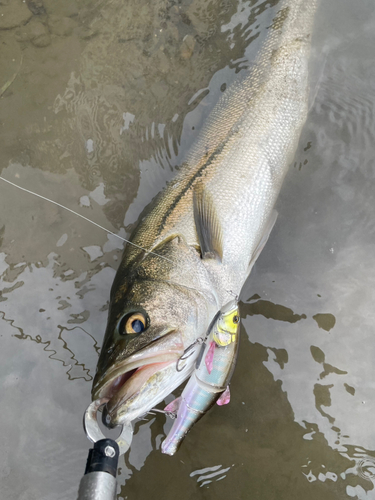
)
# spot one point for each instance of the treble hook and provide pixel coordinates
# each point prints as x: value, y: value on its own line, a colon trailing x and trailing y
x: 199, y: 341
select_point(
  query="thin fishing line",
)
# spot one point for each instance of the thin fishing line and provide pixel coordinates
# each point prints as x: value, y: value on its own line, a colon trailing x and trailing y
x: 101, y: 227
x: 85, y: 218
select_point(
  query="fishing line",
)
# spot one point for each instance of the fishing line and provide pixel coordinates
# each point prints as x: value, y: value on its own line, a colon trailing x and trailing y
x: 85, y: 218
x: 97, y: 225
x: 104, y: 229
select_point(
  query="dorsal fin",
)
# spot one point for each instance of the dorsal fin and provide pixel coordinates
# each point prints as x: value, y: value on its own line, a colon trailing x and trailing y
x: 207, y: 225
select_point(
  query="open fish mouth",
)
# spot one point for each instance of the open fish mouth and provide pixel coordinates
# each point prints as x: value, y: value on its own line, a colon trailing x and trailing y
x: 126, y: 377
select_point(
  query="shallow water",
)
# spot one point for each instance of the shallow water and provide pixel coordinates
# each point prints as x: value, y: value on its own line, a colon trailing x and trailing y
x: 99, y: 101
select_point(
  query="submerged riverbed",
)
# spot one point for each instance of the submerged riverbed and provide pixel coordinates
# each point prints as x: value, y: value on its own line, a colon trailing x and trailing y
x: 99, y: 101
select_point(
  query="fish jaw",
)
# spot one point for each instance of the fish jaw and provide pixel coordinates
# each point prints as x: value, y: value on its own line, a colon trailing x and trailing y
x: 138, y: 383
x: 166, y: 349
x: 143, y: 376
x: 145, y: 389
x: 126, y: 376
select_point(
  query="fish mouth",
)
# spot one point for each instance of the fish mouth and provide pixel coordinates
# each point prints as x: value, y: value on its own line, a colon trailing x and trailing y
x: 126, y: 377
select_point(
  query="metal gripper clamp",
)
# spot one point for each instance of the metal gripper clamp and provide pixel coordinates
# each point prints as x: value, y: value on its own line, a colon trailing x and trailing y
x: 99, y: 481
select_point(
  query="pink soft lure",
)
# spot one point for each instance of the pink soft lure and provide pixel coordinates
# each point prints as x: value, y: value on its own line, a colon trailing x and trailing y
x: 209, y: 359
x: 224, y: 399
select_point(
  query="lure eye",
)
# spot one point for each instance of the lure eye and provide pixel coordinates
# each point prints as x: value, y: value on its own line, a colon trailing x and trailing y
x: 236, y: 319
x: 135, y: 323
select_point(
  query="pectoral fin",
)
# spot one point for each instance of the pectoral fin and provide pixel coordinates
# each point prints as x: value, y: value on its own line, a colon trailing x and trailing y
x: 263, y: 240
x: 208, y: 226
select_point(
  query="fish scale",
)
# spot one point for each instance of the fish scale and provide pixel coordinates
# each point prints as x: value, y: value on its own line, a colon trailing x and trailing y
x: 210, y: 222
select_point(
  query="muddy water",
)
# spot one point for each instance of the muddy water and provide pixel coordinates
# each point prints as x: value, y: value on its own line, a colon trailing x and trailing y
x: 98, y: 102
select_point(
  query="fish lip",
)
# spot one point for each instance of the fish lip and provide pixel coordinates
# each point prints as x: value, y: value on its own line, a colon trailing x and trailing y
x: 140, y: 359
x: 112, y: 405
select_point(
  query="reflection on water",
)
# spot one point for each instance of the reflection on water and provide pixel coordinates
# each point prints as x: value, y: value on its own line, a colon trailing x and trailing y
x: 98, y: 102
x: 209, y: 474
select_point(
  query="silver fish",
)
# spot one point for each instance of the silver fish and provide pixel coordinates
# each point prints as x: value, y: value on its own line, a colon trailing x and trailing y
x: 203, y: 233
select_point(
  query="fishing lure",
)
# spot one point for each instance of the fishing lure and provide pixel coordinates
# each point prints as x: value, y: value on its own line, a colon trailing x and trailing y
x: 209, y: 382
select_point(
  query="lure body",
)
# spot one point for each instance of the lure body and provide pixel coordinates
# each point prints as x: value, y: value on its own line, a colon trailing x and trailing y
x: 209, y: 382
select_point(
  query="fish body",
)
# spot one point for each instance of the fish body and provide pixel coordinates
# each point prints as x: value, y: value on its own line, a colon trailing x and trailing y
x: 211, y: 376
x: 197, y: 242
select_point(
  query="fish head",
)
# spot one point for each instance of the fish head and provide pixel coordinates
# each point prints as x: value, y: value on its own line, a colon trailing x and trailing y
x: 226, y: 328
x: 155, y: 315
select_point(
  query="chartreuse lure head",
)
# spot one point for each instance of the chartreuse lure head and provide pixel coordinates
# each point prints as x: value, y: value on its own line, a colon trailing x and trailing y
x: 227, y: 326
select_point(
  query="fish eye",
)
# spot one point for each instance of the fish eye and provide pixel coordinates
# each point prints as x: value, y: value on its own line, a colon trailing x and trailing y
x: 132, y: 324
